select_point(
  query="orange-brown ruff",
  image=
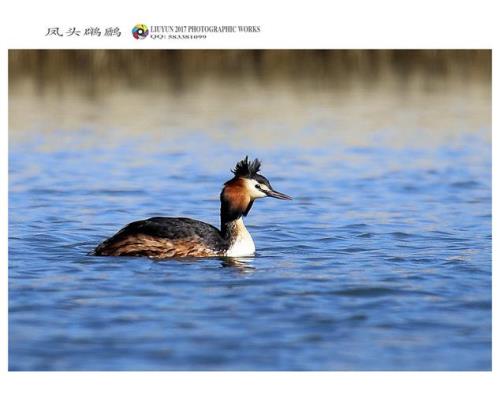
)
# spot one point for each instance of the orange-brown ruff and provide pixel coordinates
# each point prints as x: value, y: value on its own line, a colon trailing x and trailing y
x: 164, y: 237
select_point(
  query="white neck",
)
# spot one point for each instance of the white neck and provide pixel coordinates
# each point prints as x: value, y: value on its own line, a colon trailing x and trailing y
x: 240, y: 241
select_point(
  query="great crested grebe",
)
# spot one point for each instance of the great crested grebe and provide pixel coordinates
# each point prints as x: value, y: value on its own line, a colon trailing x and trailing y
x: 161, y: 237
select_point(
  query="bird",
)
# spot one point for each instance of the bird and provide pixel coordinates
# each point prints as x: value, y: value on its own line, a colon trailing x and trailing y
x: 176, y: 237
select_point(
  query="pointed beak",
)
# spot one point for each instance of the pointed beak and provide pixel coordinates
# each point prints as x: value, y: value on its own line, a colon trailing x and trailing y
x: 275, y: 194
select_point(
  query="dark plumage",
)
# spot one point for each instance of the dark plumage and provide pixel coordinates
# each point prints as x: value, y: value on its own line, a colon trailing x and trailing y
x: 179, y: 237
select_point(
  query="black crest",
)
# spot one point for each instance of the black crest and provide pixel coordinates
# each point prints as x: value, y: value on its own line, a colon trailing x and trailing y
x: 245, y: 168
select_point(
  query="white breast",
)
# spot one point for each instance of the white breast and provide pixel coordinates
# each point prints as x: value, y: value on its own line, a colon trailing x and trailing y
x: 242, y: 244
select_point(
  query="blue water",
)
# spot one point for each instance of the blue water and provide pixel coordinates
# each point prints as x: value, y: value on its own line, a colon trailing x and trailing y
x: 381, y: 262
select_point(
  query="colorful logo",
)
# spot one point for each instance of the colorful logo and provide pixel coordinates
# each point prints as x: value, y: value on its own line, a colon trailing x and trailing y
x: 140, y: 31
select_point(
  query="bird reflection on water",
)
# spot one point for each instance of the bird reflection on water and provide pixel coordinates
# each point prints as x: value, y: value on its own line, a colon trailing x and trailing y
x: 241, y: 264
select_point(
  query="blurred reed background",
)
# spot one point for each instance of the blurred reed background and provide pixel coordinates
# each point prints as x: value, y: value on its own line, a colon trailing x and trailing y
x: 94, y: 69
x: 264, y: 95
